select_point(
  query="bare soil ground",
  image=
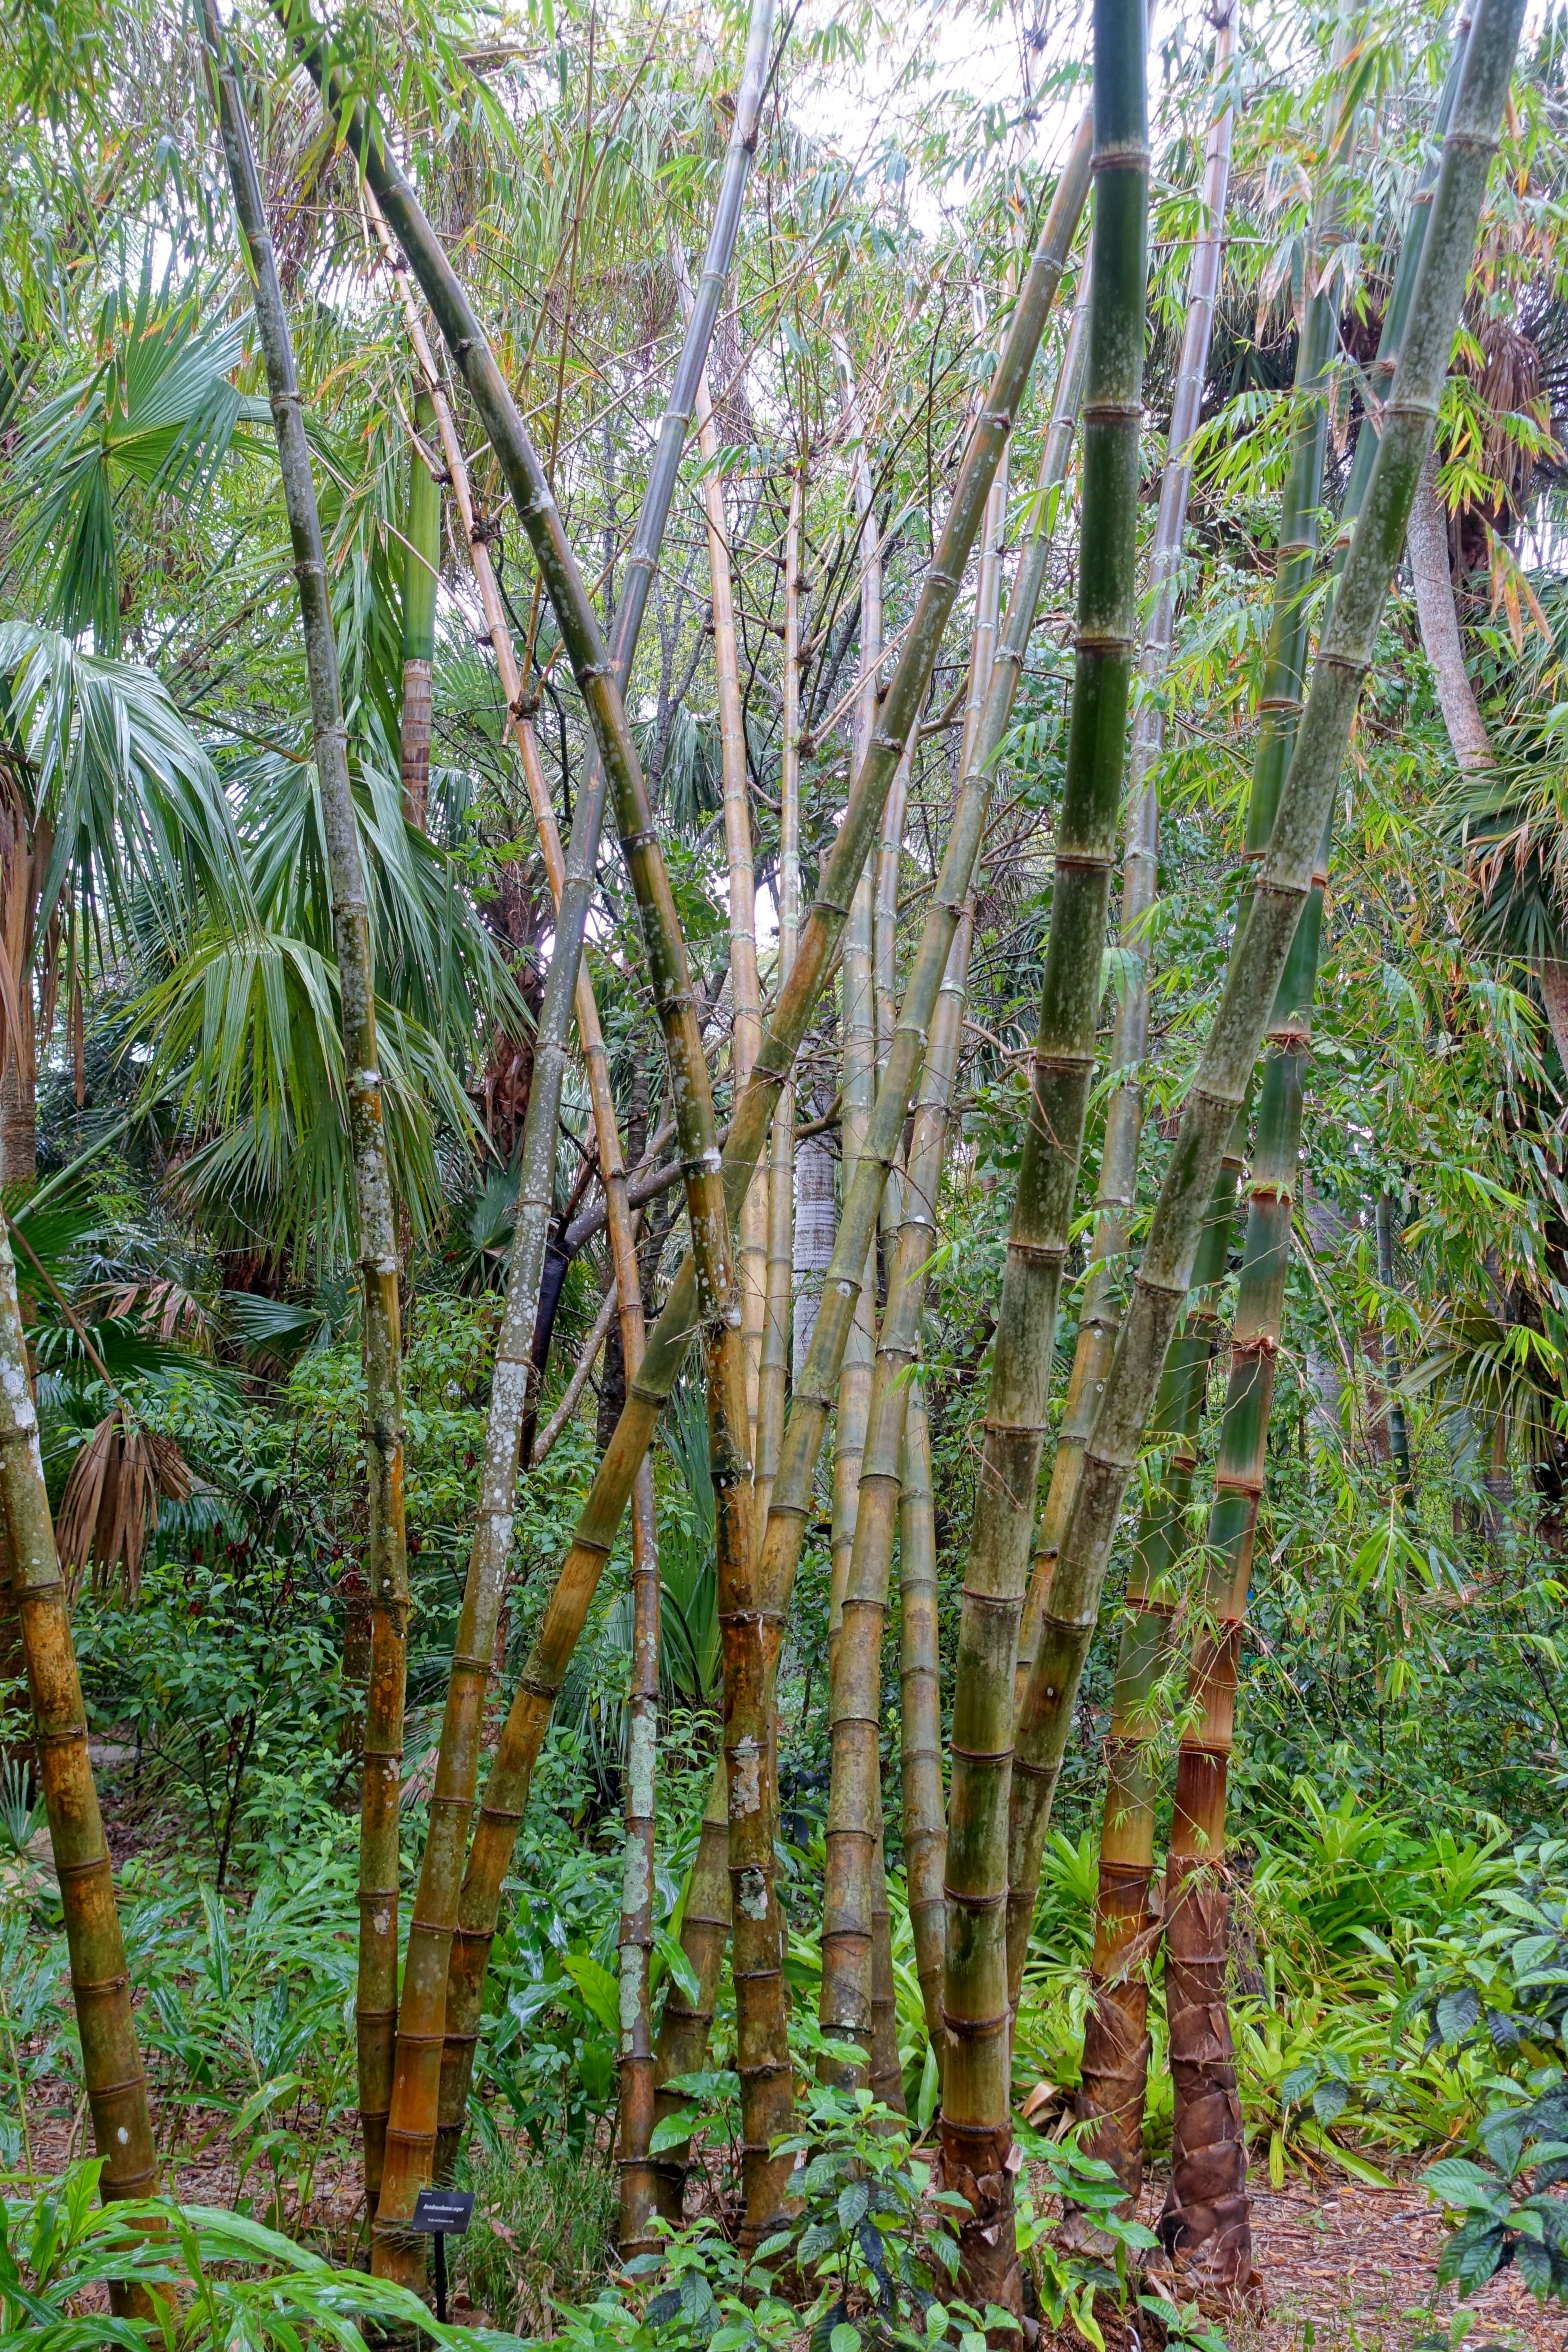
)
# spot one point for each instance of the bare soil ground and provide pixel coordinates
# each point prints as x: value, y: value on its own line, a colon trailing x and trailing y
x: 1347, y: 2269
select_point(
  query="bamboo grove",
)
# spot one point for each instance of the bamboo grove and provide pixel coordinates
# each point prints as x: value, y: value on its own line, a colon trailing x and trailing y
x: 783, y: 1023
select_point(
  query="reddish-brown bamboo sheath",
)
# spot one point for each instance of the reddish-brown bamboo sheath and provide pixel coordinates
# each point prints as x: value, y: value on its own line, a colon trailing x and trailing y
x: 112, y: 2075
x: 505, y: 1792
x: 421, y: 568
x: 976, y: 2121
x: 1140, y: 863
x: 1283, y: 884
x: 854, y: 1806
x: 386, y: 1566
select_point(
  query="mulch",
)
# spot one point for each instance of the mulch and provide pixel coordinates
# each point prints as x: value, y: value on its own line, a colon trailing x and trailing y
x: 1352, y: 2269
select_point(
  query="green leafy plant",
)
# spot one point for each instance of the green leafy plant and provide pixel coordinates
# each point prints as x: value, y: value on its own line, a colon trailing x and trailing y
x: 211, y: 2280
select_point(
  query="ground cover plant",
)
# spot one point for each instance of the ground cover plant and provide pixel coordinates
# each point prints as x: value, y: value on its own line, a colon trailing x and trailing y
x: 783, y: 1284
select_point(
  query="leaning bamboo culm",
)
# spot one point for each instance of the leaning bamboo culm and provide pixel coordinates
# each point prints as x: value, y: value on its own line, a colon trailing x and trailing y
x: 417, y: 2087
x: 566, y: 1611
x: 112, y: 2074
x: 386, y: 1566
x: 976, y: 2116
x: 1140, y: 863
x: 763, y: 2062
x: 1207, y: 2221
x: 421, y: 569
x: 855, y: 1805
x: 1282, y: 886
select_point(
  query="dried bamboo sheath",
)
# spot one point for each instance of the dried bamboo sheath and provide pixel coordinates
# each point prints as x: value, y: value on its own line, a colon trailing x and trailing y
x: 386, y: 1557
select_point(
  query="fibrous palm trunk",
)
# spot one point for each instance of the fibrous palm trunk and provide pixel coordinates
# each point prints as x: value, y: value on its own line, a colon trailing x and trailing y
x: 112, y: 2074
x: 855, y: 1801
x: 977, y: 2117
x: 421, y: 569
x: 1139, y: 864
x: 566, y: 1611
x: 1283, y: 884
x: 386, y: 1566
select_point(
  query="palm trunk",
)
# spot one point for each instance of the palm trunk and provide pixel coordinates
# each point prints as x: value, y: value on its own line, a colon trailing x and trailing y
x: 421, y: 569
x: 781, y: 1155
x: 565, y: 1612
x: 745, y: 990
x: 112, y: 2075
x: 1284, y: 882
x: 386, y: 1565
x: 1140, y: 870
x: 976, y: 2121
x: 854, y: 1801
x: 427, y: 2063
x: 1116, y: 2041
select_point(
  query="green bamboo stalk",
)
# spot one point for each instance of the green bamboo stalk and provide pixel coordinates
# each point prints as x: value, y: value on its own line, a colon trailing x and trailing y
x: 1399, y: 1429
x: 112, y: 2073
x: 421, y: 568
x: 858, y: 1015
x: 417, y: 2085
x: 781, y: 1153
x: 924, y: 1798
x: 386, y: 1556
x: 1140, y: 866
x: 507, y: 1790
x: 1283, y: 885
x: 854, y: 1807
x: 1279, y: 711
x: 1114, y: 2077
x: 686, y: 2021
x: 1207, y: 2222
x: 976, y: 2124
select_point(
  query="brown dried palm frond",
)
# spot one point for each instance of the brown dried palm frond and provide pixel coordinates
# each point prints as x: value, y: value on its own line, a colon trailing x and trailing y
x: 111, y: 1503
